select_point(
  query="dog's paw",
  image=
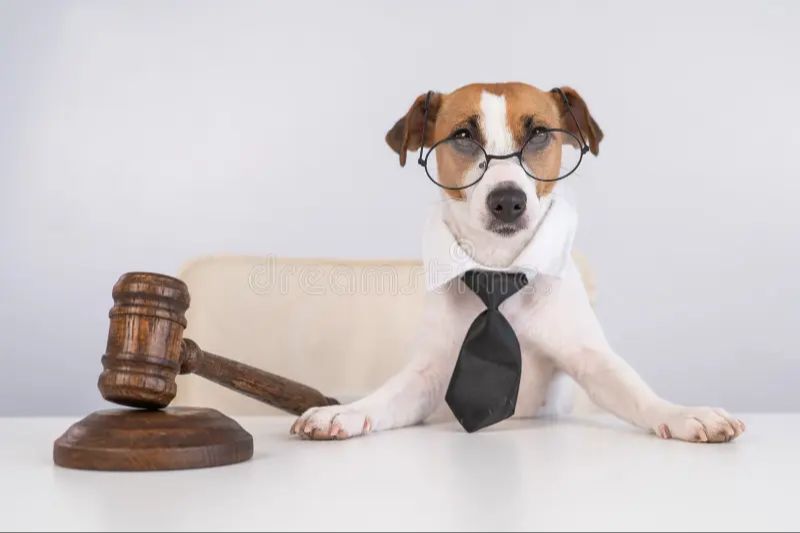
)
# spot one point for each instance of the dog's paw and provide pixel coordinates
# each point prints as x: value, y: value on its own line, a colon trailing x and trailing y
x: 335, y: 422
x: 699, y: 424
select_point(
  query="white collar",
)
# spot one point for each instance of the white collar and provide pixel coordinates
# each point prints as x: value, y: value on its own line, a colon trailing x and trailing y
x: 548, y: 252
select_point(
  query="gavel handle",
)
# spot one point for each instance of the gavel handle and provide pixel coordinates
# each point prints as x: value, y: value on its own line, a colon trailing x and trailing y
x: 271, y: 389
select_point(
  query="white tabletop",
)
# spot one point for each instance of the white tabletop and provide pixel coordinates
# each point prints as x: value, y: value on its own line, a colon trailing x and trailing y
x: 553, y: 475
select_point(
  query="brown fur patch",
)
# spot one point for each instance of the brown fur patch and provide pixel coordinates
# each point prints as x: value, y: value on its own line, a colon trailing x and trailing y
x: 586, y: 124
x: 526, y: 106
x: 406, y: 133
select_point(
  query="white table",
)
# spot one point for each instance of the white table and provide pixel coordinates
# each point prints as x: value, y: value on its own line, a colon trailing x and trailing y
x: 554, y: 475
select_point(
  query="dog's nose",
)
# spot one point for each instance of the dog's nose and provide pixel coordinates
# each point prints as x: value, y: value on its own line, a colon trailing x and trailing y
x: 507, y: 203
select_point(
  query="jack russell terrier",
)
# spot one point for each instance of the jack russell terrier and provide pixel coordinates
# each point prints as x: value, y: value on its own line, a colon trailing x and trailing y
x: 497, y: 152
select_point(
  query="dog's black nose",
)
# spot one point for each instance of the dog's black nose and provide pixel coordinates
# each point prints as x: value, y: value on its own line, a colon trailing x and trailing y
x: 507, y: 203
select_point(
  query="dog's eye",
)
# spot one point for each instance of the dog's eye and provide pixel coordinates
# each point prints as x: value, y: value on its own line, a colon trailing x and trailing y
x: 539, y: 138
x: 463, y: 142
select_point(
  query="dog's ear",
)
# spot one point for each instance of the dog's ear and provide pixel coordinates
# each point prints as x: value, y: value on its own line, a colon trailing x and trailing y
x: 405, y: 134
x: 586, y: 123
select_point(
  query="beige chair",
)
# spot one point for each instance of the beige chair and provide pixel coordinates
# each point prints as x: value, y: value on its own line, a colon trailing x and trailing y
x: 340, y: 326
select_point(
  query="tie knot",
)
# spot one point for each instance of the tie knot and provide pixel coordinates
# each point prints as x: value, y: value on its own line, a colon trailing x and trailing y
x: 494, y: 287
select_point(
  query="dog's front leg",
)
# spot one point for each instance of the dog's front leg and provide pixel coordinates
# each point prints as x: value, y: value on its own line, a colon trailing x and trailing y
x: 574, y: 339
x: 406, y: 399
x: 613, y: 385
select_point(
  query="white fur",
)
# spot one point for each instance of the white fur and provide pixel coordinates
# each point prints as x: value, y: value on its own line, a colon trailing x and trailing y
x: 556, y: 325
x: 494, y: 120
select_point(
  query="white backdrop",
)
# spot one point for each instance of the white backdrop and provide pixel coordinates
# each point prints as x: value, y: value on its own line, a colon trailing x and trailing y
x: 136, y: 135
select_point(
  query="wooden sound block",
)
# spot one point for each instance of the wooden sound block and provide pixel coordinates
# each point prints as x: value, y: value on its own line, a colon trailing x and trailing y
x: 135, y: 440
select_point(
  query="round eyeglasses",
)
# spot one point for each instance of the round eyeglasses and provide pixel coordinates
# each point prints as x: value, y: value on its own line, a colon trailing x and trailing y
x: 459, y: 162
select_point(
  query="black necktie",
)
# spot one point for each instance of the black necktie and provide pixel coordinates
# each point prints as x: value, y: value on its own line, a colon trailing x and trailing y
x: 485, y: 382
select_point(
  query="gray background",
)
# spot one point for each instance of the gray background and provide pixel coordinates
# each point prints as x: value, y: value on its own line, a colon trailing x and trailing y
x: 136, y: 135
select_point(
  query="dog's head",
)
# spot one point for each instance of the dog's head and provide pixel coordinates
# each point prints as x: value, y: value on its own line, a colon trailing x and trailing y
x: 504, y: 206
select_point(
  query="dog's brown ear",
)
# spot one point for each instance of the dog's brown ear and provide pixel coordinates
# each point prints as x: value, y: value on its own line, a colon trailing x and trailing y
x: 406, y: 132
x: 586, y: 123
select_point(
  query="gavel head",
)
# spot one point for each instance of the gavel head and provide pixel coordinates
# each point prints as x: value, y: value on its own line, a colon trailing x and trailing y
x: 143, y: 354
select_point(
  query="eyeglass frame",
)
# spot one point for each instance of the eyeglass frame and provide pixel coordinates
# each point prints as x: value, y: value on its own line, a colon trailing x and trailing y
x: 423, y: 161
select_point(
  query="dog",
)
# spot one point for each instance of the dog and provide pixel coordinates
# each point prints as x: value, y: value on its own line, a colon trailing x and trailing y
x: 557, y: 329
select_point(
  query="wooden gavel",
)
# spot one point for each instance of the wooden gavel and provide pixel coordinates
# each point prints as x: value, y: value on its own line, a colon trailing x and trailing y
x: 146, y: 351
